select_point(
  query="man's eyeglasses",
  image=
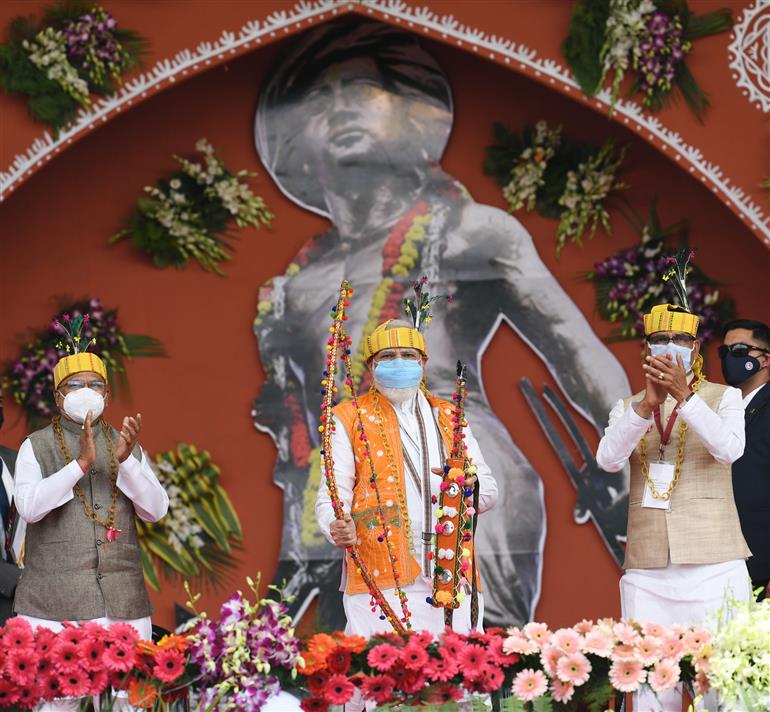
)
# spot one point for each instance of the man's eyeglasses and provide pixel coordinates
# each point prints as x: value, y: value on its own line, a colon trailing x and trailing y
x: 740, y: 350
x: 97, y: 386
x: 665, y: 339
x: 390, y: 354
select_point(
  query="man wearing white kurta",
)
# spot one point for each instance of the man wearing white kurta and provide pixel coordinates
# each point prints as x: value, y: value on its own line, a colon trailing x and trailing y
x: 79, y: 486
x: 685, y: 552
x: 424, y: 454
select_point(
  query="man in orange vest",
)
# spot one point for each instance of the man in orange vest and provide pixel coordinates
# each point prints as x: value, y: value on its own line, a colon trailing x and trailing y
x: 408, y: 433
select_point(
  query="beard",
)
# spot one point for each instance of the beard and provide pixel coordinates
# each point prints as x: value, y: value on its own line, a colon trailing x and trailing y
x: 397, y: 395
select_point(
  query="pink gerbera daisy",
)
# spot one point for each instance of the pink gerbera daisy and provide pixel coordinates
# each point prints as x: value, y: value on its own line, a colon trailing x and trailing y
x: 562, y: 691
x: 625, y: 633
x: 123, y: 632
x: 71, y: 634
x: 538, y: 632
x: 550, y: 657
x: 382, y: 657
x: 98, y: 681
x: 492, y: 678
x: 74, y: 683
x: 65, y: 656
x: 339, y: 690
x: 91, y: 650
x: 574, y: 668
x: 567, y: 639
x: 585, y: 626
x: 702, y: 684
x: 656, y: 630
x: 169, y: 665
x: 18, y: 633
x: 529, y: 684
x: 441, y: 669
x: 648, y: 650
x: 519, y: 644
x: 378, y: 688
x: 423, y: 638
x: 672, y: 648
x: 119, y: 657
x: 664, y: 676
x: 598, y: 642
x: 626, y: 674
x: 471, y: 661
x: 695, y: 639
x: 413, y: 656
x: 21, y: 665
x: 45, y: 639
x: 702, y: 661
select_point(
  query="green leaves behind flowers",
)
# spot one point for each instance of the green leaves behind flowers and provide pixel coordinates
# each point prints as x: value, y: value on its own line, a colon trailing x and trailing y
x: 197, y: 536
x: 188, y: 214
x: 58, y: 75
x: 563, y: 178
x: 583, y: 44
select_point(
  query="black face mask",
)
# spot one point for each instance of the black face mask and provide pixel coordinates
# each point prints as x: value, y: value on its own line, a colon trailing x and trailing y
x: 737, y: 369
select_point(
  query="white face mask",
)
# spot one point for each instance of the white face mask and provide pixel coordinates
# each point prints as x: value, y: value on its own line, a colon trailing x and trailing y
x: 77, y: 404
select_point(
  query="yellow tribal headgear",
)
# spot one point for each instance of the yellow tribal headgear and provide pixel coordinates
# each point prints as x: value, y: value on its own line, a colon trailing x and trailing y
x: 402, y: 337
x: 669, y: 317
x: 78, y: 363
x: 78, y: 359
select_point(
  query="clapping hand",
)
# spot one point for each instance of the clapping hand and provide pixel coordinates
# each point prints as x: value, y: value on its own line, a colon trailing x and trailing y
x: 87, y: 448
x: 129, y: 436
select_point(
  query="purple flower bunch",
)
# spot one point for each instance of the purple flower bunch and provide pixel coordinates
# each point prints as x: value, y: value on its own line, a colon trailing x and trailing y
x: 660, y: 50
x: 630, y: 282
x: 245, y: 655
x: 30, y: 376
x: 92, y: 46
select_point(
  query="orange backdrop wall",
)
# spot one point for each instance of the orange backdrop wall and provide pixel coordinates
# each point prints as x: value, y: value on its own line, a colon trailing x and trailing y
x: 53, y: 241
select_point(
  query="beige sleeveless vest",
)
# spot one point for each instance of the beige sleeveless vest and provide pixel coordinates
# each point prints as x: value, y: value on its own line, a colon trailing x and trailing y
x: 702, y: 526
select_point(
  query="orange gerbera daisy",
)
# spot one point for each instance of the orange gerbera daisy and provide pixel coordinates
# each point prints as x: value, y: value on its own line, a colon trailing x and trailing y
x: 142, y: 694
x: 350, y: 643
x: 320, y: 645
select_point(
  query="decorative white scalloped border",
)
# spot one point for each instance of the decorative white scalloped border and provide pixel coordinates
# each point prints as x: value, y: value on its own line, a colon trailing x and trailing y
x: 446, y: 27
x: 738, y: 61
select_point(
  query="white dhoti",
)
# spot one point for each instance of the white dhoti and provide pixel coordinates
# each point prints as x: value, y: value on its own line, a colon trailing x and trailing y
x: 684, y: 594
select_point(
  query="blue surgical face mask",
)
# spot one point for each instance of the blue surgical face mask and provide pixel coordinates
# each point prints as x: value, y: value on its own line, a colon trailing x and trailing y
x: 660, y: 350
x: 398, y: 373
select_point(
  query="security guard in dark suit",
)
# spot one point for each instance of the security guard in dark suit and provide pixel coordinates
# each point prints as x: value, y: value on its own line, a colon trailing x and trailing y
x: 745, y: 355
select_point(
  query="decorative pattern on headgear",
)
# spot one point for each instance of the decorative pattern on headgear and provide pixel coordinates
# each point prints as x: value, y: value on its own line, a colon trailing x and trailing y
x: 418, y: 311
x: 79, y: 359
x: 672, y: 317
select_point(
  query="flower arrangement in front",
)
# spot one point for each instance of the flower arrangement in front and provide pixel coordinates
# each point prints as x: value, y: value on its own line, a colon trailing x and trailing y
x: 29, y: 377
x: 188, y: 214
x: 628, y: 283
x: 650, y: 38
x: 77, y: 50
x: 563, y: 178
x: 90, y: 660
x: 529, y: 668
x: 740, y: 662
x: 196, y: 537
x: 248, y: 655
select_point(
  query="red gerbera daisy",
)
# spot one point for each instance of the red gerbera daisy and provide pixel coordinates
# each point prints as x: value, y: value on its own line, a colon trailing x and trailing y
x: 413, y: 682
x: 399, y: 674
x: 443, y: 692
x: 71, y: 634
x: 339, y: 690
x: 169, y: 665
x: 93, y: 630
x: 118, y: 679
x: 119, y: 657
x: 471, y: 661
x: 413, y: 656
x: 123, y: 632
x: 317, y: 682
x: 18, y: 633
x: 382, y: 657
x: 453, y: 644
x: 98, y: 682
x: 339, y: 661
x: 45, y: 639
x: 28, y: 696
x: 74, y: 683
x: 8, y: 693
x: 378, y: 688
x: 91, y: 650
x: 49, y: 686
x: 492, y: 678
x: 21, y: 665
x: 499, y: 656
x: 423, y: 639
x: 441, y: 669
x: 65, y: 656
x: 314, y: 704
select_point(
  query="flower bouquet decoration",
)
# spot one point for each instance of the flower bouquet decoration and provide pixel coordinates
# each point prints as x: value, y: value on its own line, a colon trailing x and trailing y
x: 628, y: 283
x: 560, y: 177
x: 75, y: 51
x: 248, y: 655
x: 650, y: 38
x: 740, y: 662
x: 91, y: 661
x: 197, y: 535
x: 188, y: 214
x: 29, y: 377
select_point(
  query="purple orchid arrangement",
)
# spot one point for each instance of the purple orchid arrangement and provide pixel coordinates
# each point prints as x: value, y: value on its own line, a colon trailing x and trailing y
x: 93, y: 47
x: 631, y: 281
x: 248, y: 655
x: 29, y: 377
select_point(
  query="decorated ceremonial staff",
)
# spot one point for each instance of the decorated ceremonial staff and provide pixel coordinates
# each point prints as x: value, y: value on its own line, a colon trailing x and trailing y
x: 384, y: 456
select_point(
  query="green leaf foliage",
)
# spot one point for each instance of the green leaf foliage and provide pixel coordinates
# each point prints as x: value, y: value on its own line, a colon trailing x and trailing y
x: 584, y: 41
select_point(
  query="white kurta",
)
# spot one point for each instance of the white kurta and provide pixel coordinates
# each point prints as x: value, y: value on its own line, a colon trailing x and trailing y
x: 361, y: 619
x: 686, y: 594
x: 36, y: 496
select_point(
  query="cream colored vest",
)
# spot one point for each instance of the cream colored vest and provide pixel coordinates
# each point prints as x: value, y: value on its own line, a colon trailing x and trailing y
x: 702, y: 526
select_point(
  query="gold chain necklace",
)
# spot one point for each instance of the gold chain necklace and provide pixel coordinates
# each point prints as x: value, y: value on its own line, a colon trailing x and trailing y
x: 681, y: 438
x: 109, y: 523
